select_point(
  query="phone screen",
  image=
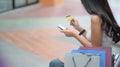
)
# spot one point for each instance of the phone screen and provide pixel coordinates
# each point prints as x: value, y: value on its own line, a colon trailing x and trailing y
x: 61, y: 27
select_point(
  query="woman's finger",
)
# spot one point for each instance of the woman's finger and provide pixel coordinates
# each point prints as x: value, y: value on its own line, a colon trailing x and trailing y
x: 62, y: 31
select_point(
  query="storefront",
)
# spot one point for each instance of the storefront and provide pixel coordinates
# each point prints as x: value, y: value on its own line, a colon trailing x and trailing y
x: 6, y: 5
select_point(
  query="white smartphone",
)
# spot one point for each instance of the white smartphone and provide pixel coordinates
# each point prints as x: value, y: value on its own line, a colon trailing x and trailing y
x: 61, y: 27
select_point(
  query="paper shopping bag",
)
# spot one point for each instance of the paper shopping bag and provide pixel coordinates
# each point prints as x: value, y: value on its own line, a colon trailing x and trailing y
x: 81, y: 60
x: 100, y: 52
x: 108, y: 53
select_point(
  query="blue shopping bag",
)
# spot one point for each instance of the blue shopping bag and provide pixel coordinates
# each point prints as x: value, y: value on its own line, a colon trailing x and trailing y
x: 100, y: 52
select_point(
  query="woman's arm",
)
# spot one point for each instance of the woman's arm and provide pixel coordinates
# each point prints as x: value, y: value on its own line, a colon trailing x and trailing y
x: 71, y: 32
x: 96, y: 33
x: 96, y: 30
x: 76, y: 25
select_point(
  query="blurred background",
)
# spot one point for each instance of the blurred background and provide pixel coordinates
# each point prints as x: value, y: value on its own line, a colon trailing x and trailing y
x: 29, y: 36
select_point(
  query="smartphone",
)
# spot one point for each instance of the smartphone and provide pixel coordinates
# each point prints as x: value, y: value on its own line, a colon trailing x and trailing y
x: 61, y: 27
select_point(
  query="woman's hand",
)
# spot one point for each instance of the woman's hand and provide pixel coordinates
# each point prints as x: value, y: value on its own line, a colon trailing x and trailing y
x: 70, y: 32
x: 75, y: 24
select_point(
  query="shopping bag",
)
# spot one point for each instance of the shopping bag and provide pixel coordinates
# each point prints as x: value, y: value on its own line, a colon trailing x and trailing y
x: 100, y: 52
x: 116, y: 60
x: 108, y: 53
x: 81, y: 60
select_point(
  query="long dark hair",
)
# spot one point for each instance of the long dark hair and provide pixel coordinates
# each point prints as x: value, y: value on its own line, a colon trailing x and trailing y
x: 102, y: 8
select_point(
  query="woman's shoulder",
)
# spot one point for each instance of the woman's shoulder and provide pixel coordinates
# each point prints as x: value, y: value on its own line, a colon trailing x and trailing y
x: 96, y: 19
x: 96, y: 16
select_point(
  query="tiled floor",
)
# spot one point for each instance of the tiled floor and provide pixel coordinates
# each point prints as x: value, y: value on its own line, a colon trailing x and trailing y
x: 29, y: 36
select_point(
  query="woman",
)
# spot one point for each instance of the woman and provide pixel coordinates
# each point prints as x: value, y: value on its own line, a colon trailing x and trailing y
x: 103, y: 25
